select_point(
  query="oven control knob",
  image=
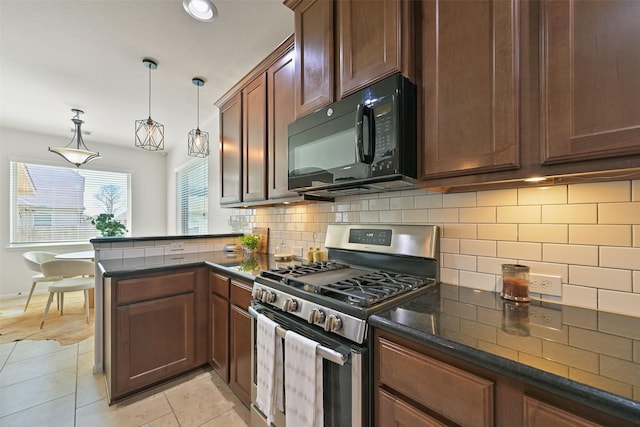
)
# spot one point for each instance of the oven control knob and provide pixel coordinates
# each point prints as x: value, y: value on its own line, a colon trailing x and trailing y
x: 268, y: 296
x: 333, y: 323
x: 290, y: 305
x: 257, y: 293
x: 316, y: 316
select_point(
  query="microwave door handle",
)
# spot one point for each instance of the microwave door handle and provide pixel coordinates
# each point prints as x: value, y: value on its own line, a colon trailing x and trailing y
x: 359, y: 133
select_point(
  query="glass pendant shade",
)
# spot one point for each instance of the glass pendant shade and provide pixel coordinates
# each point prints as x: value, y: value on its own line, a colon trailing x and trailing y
x: 149, y: 133
x: 198, y: 141
x: 80, y: 154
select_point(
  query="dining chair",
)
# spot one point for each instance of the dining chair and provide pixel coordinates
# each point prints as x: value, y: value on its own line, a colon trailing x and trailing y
x: 34, y: 259
x: 76, y: 275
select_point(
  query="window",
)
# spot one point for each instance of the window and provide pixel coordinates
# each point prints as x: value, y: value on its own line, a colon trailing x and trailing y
x: 53, y: 204
x: 192, y: 187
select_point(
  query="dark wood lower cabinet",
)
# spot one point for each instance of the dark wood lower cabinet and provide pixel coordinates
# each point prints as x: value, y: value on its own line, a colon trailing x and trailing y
x: 219, y: 324
x: 240, y: 341
x: 416, y: 385
x: 155, y: 328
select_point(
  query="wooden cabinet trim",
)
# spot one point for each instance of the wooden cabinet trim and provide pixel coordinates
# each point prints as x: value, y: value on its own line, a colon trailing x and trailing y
x: 231, y: 150
x: 396, y: 412
x: 240, y: 294
x: 254, y: 140
x: 219, y: 284
x: 540, y: 414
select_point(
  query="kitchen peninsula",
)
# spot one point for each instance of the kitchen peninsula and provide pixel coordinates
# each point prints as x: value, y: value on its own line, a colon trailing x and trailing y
x: 533, y: 359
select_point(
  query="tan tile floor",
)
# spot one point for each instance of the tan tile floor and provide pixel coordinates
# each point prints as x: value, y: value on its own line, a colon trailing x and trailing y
x: 45, y: 384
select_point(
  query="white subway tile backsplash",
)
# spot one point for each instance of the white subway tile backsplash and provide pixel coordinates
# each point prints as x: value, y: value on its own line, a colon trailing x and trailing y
x: 448, y: 245
x: 620, y: 257
x: 636, y: 282
x: 459, y: 262
x: 618, y: 302
x: 618, y: 191
x: 401, y: 203
x: 133, y: 253
x: 449, y: 275
x: 580, y: 296
x: 570, y: 214
x: 415, y: 216
x: 561, y: 270
x: 518, y: 214
x: 379, y: 204
x: 493, y: 265
x: 520, y: 250
x: 555, y: 195
x: 111, y: 254
x: 471, y: 279
x: 148, y: 252
x: 459, y: 200
x: 507, y: 197
x: 570, y: 254
x: 613, y: 235
x: 545, y: 233
x: 430, y: 201
x: 635, y: 190
x: 478, y: 215
x: 390, y: 217
x: 619, y: 213
x: 636, y: 235
x: 498, y: 231
x: 608, y: 278
x: 459, y: 231
x: 443, y: 215
x: 370, y: 217
x: 478, y: 247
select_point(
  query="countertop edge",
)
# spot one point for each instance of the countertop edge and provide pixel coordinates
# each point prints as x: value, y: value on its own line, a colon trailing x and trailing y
x: 192, y: 264
x: 148, y: 238
x: 600, y: 399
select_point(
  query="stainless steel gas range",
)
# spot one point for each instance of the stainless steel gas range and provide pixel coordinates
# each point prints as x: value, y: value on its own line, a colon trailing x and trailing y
x: 370, y: 268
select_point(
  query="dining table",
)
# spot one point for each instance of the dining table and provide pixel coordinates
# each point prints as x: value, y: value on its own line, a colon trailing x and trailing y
x: 81, y: 255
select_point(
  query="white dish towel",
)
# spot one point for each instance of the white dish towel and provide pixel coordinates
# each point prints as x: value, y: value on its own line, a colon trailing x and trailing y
x: 303, y: 382
x: 269, y: 373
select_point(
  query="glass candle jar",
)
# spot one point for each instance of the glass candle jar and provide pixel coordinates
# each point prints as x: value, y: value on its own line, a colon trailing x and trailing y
x: 515, y: 282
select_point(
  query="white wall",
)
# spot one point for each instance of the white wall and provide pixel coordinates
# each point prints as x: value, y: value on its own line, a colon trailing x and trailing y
x: 148, y: 194
x: 178, y: 158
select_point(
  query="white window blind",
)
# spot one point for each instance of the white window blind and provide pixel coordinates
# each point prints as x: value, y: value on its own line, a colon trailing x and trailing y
x: 53, y: 204
x: 192, y: 188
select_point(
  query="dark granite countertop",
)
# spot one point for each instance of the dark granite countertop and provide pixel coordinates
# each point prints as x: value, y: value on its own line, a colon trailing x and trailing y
x: 590, y: 356
x: 238, y: 263
x: 148, y: 238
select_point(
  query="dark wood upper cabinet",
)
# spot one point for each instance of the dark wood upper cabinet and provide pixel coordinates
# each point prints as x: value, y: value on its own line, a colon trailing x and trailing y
x: 231, y: 150
x: 314, y: 54
x: 370, y: 38
x: 470, y: 87
x: 590, y: 79
x: 254, y: 141
x: 281, y: 112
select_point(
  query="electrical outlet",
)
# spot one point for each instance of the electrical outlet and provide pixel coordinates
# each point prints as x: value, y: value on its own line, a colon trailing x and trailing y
x: 546, y: 284
x: 176, y: 246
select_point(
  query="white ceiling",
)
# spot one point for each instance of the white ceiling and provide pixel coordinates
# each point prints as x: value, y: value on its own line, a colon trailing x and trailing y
x: 87, y: 54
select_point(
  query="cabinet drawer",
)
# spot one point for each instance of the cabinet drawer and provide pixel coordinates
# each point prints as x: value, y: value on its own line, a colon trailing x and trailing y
x: 455, y: 394
x: 219, y: 285
x: 240, y: 294
x: 395, y: 412
x: 541, y: 414
x: 147, y: 288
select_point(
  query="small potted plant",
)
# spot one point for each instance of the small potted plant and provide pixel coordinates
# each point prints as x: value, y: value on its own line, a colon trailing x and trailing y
x: 108, y: 226
x: 250, y: 242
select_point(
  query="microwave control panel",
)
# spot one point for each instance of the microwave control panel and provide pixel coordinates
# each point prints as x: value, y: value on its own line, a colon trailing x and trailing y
x: 384, y: 161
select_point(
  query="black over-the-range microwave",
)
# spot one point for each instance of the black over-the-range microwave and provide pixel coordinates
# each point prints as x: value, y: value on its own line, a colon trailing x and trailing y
x: 364, y: 143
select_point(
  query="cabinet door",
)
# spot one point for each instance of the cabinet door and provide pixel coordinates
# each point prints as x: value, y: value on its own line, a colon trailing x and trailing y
x: 281, y: 98
x: 254, y: 141
x: 154, y: 340
x: 541, y: 414
x: 219, y: 335
x: 590, y: 79
x: 314, y: 55
x: 470, y: 93
x: 230, y: 151
x: 240, y: 349
x: 394, y: 412
x: 370, y: 41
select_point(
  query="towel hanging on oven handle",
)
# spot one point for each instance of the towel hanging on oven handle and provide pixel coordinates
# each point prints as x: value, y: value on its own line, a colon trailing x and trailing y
x: 324, y: 352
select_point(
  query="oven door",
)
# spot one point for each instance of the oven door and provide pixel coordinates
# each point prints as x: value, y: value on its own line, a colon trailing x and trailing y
x: 345, y: 387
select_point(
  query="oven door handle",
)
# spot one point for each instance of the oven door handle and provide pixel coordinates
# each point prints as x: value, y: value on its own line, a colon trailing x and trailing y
x: 324, y: 352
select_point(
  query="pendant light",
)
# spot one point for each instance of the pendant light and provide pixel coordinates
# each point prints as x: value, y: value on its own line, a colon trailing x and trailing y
x: 80, y: 154
x: 198, y: 141
x: 149, y: 134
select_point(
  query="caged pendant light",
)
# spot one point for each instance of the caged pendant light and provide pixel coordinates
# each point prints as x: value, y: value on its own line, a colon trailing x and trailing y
x: 198, y: 141
x: 80, y: 154
x: 149, y: 134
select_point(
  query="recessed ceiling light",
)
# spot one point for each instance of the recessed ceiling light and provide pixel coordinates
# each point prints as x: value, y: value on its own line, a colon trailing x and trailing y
x: 202, y: 10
